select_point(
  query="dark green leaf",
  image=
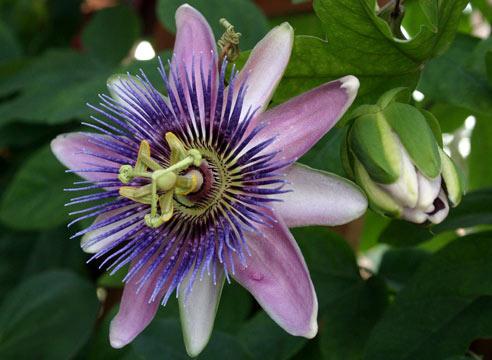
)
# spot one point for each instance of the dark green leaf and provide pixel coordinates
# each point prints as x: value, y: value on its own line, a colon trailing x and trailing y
x: 303, y: 24
x: 446, y: 305
x: 35, y: 198
x: 325, y: 155
x: 263, y: 339
x: 398, y: 265
x: 361, y: 44
x: 474, y: 210
x: 10, y: 48
x: 450, y: 117
x: 246, y: 17
x: 348, y: 323
x: 162, y: 340
x: 235, y: 306
x: 111, y: 34
x: 53, y: 89
x: 480, y: 174
x: 458, y: 77
x: 50, y: 315
x: 13, y: 250
x: 349, y: 306
x: 374, y: 224
x: 331, y: 263
x: 404, y: 234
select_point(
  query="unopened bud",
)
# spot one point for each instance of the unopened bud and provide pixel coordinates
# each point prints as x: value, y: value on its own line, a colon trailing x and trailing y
x: 394, y: 154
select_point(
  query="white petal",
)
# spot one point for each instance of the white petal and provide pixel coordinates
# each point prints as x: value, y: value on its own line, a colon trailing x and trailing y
x: 319, y: 198
x: 197, y: 310
x: 93, y: 248
x: 428, y: 190
x: 405, y: 189
x: 441, y: 214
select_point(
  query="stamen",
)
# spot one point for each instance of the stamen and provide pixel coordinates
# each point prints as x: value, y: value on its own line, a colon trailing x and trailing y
x: 229, y: 42
x: 165, y: 182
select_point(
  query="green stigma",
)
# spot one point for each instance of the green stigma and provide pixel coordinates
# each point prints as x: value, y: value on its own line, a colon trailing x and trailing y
x: 165, y: 182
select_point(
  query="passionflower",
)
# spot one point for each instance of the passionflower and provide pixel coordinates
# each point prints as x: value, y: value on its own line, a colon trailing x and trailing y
x: 394, y: 152
x: 199, y: 185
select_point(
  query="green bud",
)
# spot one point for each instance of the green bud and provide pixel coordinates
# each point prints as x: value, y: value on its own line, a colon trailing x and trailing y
x: 393, y: 151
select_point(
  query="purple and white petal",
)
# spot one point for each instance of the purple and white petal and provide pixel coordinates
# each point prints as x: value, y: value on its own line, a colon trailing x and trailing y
x: 197, y: 310
x: 95, y: 241
x: 265, y: 67
x: 81, y: 151
x: 300, y: 122
x: 319, y: 198
x: 136, y: 310
x: 277, y: 276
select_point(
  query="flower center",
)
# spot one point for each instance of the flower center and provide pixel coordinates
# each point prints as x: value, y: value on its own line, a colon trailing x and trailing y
x: 165, y: 183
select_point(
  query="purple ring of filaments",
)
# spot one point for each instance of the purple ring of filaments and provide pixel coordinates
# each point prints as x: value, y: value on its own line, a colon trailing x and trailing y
x: 169, y: 253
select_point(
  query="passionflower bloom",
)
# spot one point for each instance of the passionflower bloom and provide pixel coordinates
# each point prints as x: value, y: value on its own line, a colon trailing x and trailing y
x: 200, y: 185
x: 394, y: 152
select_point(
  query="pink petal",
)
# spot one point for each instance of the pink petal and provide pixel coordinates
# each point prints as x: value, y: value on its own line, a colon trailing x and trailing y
x: 278, y: 278
x: 195, y: 49
x: 69, y: 150
x: 319, y: 198
x: 265, y: 67
x: 302, y: 121
x: 135, y: 311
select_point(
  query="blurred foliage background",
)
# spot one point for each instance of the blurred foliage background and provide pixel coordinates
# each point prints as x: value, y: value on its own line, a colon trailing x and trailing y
x: 387, y: 289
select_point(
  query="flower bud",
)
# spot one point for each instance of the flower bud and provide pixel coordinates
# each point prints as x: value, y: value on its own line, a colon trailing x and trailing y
x: 394, y: 152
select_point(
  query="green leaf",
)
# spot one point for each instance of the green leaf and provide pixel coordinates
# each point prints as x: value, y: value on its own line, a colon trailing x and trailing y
x: 446, y: 305
x: 13, y: 250
x: 349, y: 305
x: 246, y: 17
x: 303, y: 24
x: 162, y: 340
x: 234, y: 308
x: 73, y: 79
x: 374, y: 224
x: 350, y: 320
x: 325, y: 154
x: 404, y: 234
x: 450, y: 117
x: 331, y: 263
x: 361, y: 44
x: 111, y: 33
x: 50, y: 315
x: 263, y: 339
x: 11, y: 48
x: 35, y: 198
x: 99, y: 348
x: 480, y: 174
x: 398, y: 265
x: 474, y: 210
x: 458, y: 77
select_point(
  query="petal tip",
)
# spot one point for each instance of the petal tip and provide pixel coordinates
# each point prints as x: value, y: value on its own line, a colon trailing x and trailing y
x: 116, y: 340
x: 193, y: 349
x: 187, y: 9
x: 351, y: 84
